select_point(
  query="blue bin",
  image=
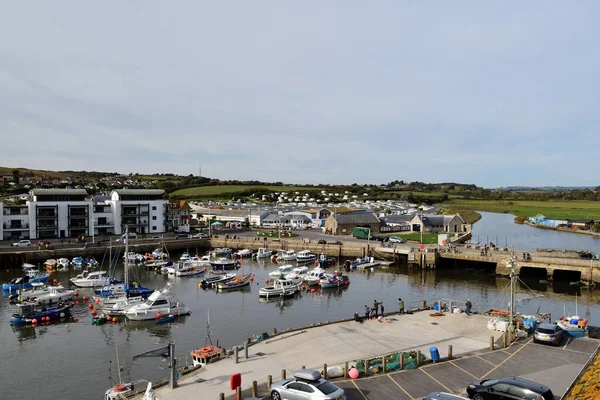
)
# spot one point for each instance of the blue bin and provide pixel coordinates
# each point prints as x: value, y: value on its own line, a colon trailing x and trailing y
x: 436, y: 307
x: 435, y: 354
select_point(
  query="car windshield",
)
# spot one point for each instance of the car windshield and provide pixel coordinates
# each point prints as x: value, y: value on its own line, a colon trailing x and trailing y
x: 489, y: 382
x: 545, y: 330
x: 327, y: 387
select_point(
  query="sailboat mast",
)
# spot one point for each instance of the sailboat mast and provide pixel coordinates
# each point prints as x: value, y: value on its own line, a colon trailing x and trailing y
x: 118, y: 364
x: 126, y: 257
x: 512, y: 291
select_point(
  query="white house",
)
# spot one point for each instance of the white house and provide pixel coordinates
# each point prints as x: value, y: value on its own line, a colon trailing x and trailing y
x: 15, y: 222
x: 59, y: 213
x: 143, y: 210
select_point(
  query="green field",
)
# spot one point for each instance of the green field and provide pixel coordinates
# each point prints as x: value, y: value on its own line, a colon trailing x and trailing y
x: 228, y: 189
x: 572, y: 209
x: 428, y: 238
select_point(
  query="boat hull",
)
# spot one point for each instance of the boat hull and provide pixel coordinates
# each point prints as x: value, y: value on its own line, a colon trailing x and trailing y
x: 54, y: 313
x: 10, y: 287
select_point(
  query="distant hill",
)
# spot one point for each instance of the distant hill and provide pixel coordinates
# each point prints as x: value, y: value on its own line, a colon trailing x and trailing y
x: 548, y: 188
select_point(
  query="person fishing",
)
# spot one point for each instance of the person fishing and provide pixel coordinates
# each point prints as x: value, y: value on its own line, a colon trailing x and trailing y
x: 468, y: 307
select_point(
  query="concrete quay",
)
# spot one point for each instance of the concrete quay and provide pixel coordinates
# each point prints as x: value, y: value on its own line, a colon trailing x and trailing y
x: 334, y: 344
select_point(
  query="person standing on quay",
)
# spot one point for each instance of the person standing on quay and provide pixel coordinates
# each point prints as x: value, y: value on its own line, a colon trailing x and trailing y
x: 366, y: 311
x: 468, y: 307
x: 381, y: 305
x: 375, y: 307
x: 401, y: 306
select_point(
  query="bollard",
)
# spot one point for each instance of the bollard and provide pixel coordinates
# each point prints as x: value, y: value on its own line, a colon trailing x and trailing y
x: 418, y: 358
x: 246, y: 349
x: 235, y: 354
x: 269, y: 382
x: 223, y: 353
x: 254, y: 389
x: 346, y: 369
x: 401, y: 360
x: 449, y: 352
x: 303, y: 367
x: 238, y: 393
x: 324, y: 371
x: 504, y: 340
x: 282, y: 374
x: 221, y: 396
x: 383, y: 365
x: 423, y: 304
x: 492, y: 343
x: 367, y: 367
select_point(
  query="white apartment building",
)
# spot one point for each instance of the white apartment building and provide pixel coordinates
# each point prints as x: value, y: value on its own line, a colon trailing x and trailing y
x: 62, y: 213
x: 143, y: 210
x: 15, y: 222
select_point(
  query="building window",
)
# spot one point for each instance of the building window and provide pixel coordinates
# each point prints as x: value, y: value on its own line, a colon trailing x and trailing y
x: 153, y: 228
x: 154, y: 218
x: 153, y: 208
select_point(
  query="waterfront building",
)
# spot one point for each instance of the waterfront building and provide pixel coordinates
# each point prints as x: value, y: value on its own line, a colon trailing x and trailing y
x: 104, y: 216
x: 344, y: 224
x: 432, y: 223
x: 143, y: 210
x: 60, y: 213
x: 15, y: 222
x: 178, y: 214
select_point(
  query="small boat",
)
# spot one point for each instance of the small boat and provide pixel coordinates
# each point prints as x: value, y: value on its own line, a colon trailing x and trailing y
x: 201, y: 262
x: 50, y: 264
x: 91, y: 279
x: 325, y: 261
x: 314, y: 277
x: 165, y: 319
x: 99, y: 319
x: 25, y: 281
x: 262, y: 253
x: 225, y: 263
x: 125, y: 390
x: 188, y: 269
x: 245, y: 253
x: 37, y: 289
x: 280, y: 287
x: 209, y: 282
x: 63, y: 263
x: 334, y: 280
x: 281, y: 271
x: 185, y: 256
x: 77, y: 263
x: 54, y: 295
x: 298, y: 274
x: 289, y: 255
x: 160, y: 254
x: 30, y: 313
x: 305, y: 256
x: 236, y: 282
x: 209, y: 353
x: 221, y: 252
x: 159, y: 303
x: 573, y: 326
x: 359, y: 261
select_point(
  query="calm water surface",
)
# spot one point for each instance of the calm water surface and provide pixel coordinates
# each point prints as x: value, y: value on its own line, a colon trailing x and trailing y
x: 72, y: 361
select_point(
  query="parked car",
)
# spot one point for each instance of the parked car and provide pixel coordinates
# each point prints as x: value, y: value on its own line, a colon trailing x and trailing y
x: 396, y: 239
x: 548, y: 333
x: 337, y: 243
x: 306, y: 384
x: 322, y: 241
x: 510, y: 387
x: 382, y: 239
x: 156, y: 237
x: 22, y: 243
x: 181, y: 236
x: 444, y: 396
x: 200, y: 235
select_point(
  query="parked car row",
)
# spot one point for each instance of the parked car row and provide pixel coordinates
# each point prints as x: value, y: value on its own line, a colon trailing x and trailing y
x: 510, y: 387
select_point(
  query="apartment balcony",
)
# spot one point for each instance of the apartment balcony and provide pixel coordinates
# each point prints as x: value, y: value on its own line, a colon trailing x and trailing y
x: 47, y: 216
x: 9, y: 227
x: 46, y: 226
x: 20, y: 211
x: 106, y: 224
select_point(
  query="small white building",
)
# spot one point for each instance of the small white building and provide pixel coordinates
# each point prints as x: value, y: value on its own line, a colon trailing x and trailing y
x: 143, y: 210
x: 15, y: 222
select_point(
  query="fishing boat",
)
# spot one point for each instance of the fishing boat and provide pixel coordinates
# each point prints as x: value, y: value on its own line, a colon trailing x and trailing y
x: 225, y: 263
x: 298, y: 274
x: 573, y: 326
x: 122, y: 390
x: 185, y: 256
x: 57, y: 265
x: 91, y: 279
x: 236, y: 282
x: 314, y: 276
x: 165, y: 319
x: 31, y: 275
x: 201, y: 262
x: 280, y: 287
x: 213, y: 280
x: 77, y: 263
x: 187, y: 268
x: 305, y: 256
x: 63, y: 263
x: 325, y: 261
x: 159, y: 303
x: 208, y: 353
x: 30, y: 313
x: 262, y: 253
x: 289, y: 255
x: 334, y: 280
x: 99, y: 319
x: 221, y: 252
x: 281, y: 271
x: 160, y: 254
x: 359, y: 261
x: 244, y: 253
x: 53, y: 295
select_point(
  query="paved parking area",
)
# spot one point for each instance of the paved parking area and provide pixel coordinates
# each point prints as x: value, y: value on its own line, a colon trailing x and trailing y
x: 556, y: 367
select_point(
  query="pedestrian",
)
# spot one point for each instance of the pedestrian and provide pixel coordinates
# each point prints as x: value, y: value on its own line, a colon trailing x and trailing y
x: 401, y: 306
x: 468, y: 307
x: 357, y: 317
x: 366, y: 311
x: 375, y: 307
x: 381, y: 305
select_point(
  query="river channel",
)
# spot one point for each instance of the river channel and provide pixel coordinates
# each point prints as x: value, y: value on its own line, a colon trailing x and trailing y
x: 72, y: 361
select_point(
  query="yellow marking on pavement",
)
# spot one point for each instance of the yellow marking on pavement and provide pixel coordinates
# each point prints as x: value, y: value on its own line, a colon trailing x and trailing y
x: 440, y: 383
x: 401, y: 388
x: 507, y: 358
x: 464, y: 370
x: 359, y: 391
x: 489, y: 362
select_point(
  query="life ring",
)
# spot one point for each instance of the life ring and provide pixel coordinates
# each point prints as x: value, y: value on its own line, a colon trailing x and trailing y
x: 119, y: 387
x: 205, y: 350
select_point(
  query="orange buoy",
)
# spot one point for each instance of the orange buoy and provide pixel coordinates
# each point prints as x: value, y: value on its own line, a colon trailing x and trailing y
x: 204, y: 269
x: 94, y: 313
x: 85, y: 298
x: 303, y: 287
x: 115, y: 319
x: 97, y: 301
x: 76, y: 294
x: 34, y: 321
x: 158, y: 315
x: 252, y: 278
x: 91, y: 306
x: 266, y: 281
x: 76, y: 301
x: 55, y: 281
x: 312, y: 290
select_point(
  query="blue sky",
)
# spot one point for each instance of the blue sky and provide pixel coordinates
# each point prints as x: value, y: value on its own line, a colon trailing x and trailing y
x: 305, y: 92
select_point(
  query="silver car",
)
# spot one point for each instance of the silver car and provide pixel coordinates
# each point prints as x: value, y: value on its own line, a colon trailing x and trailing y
x: 548, y: 333
x: 307, y: 384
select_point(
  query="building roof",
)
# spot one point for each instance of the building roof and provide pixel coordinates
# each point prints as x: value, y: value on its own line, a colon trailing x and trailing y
x: 439, y: 220
x: 179, y: 204
x: 357, y: 218
x: 583, y: 221
x: 138, y: 192
x: 398, y: 218
x: 41, y: 192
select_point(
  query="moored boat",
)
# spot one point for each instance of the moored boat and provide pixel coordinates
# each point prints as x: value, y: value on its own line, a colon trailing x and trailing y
x: 165, y: 319
x: 281, y: 271
x: 159, y: 303
x: 91, y: 279
x: 187, y: 268
x: 236, y: 282
x: 573, y: 326
x: 280, y: 287
x: 209, y: 282
x: 25, y: 282
x: 305, y: 256
x: 225, y: 263
x: 334, y: 280
x: 30, y: 313
x: 325, y: 261
x: 314, y: 276
x: 262, y: 253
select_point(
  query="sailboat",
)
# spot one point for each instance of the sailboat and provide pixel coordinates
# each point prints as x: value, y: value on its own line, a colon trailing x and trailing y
x: 203, y: 355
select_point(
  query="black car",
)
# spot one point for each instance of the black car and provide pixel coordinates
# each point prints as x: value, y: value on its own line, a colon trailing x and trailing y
x: 510, y: 387
x: 443, y: 396
x: 322, y: 241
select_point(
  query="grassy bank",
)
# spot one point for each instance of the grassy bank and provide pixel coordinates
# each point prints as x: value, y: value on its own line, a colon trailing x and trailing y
x: 428, y: 238
x: 575, y: 209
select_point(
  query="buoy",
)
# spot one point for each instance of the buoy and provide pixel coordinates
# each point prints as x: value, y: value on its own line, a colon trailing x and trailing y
x: 34, y: 321
x: 85, y: 298
x: 266, y: 281
x: 115, y: 319
x: 204, y: 269
x: 353, y: 373
x: 62, y: 314
x: 91, y: 306
x: 55, y: 281
x: 158, y: 315
x: 76, y: 294
x: 252, y: 278
x: 94, y: 313
x: 76, y: 301
x: 312, y: 290
x: 199, y: 286
x: 303, y: 287
x: 97, y: 301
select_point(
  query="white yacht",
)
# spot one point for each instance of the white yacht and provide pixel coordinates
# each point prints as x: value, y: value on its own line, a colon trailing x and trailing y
x: 90, y: 279
x: 298, y: 274
x: 289, y: 255
x: 262, y: 253
x: 305, y: 256
x: 187, y: 268
x: 282, y: 270
x: 244, y: 253
x: 201, y: 262
x: 54, y: 295
x: 159, y: 303
x: 280, y: 288
x: 314, y: 276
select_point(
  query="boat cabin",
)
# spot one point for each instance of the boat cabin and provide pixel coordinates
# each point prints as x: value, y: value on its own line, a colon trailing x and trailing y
x: 204, y: 355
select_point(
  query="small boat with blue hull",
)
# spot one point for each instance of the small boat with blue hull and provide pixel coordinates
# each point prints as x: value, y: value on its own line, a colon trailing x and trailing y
x: 165, y: 319
x: 325, y: 261
x: 25, y: 282
x: 28, y: 312
x: 334, y: 280
x: 225, y: 263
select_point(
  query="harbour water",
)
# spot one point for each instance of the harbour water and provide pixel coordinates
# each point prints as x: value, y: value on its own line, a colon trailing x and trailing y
x: 71, y: 361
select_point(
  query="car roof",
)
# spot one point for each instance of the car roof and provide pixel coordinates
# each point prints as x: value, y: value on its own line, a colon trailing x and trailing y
x: 524, y: 383
x: 308, y: 374
x: 444, y: 396
x: 547, y: 326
